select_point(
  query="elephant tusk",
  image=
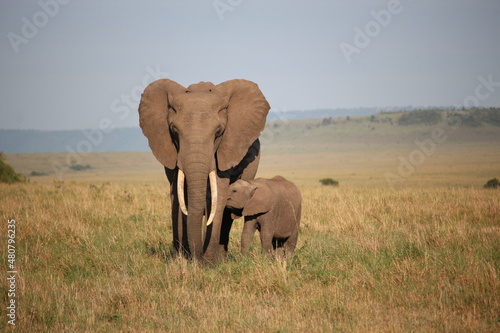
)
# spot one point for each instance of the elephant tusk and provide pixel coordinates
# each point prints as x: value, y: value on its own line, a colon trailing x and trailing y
x: 213, y: 191
x: 180, y: 192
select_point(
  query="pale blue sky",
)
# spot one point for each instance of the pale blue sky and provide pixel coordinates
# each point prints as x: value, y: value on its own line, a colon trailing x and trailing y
x: 85, y: 61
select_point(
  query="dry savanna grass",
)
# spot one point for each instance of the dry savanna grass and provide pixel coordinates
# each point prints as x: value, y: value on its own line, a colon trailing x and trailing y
x: 93, y: 251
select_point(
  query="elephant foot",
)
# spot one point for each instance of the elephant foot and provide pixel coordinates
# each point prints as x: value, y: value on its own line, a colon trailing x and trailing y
x: 213, y: 257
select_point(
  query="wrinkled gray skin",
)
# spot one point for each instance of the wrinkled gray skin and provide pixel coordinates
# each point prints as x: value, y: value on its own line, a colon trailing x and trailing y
x: 200, y: 130
x: 272, y: 206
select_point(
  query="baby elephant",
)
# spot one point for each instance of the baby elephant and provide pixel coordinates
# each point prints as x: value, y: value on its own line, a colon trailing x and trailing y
x: 273, y: 207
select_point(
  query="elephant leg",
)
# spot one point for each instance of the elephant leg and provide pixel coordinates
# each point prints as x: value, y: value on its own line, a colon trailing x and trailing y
x: 174, y: 214
x: 266, y: 239
x: 279, y: 247
x: 249, y: 228
x: 227, y: 223
x: 279, y: 252
x: 291, y: 243
x: 217, y: 238
x: 176, y: 226
x: 179, y: 231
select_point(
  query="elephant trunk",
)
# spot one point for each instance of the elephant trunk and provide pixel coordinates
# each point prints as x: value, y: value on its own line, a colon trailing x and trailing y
x: 195, y: 175
x: 212, y: 177
x: 196, y: 190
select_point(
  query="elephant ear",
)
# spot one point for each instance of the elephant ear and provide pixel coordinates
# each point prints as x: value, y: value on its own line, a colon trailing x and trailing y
x: 260, y: 201
x: 246, y: 117
x: 153, y: 113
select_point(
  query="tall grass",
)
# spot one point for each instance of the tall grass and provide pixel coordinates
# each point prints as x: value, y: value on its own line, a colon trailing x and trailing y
x: 96, y: 258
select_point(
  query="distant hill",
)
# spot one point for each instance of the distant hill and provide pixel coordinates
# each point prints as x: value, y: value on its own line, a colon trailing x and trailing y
x: 295, y: 129
x: 280, y: 115
x: 385, y: 128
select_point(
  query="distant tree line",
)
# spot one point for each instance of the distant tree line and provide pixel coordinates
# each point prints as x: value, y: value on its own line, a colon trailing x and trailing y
x: 424, y: 117
x: 474, y: 117
x: 469, y: 117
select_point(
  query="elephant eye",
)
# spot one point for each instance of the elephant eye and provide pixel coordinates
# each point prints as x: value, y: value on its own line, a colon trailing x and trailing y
x: 174, y: 130
x: 218, y: 132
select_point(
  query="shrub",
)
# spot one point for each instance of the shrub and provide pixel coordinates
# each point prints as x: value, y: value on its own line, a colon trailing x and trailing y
x: 492, y: 183
x: 425, y: 117
x: 464, y: 119
x: 475, y: 117
x: 327, y: 121
x: 491, y: 116
x: 38, y: 173
x: 79, y: 167
x: 329, y: 182
x: 7, y: 173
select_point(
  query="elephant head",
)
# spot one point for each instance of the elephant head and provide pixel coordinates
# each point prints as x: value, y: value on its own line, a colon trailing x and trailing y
x: 201, y: 130
x: 248, y: 197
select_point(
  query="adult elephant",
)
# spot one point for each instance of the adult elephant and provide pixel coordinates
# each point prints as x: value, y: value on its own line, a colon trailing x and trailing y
x: 206, y: 136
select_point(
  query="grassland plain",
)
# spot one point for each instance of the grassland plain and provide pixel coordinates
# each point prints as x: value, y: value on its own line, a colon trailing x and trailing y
x: 355, y: 165
x: 93, y: 248
x: 95, y: 258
